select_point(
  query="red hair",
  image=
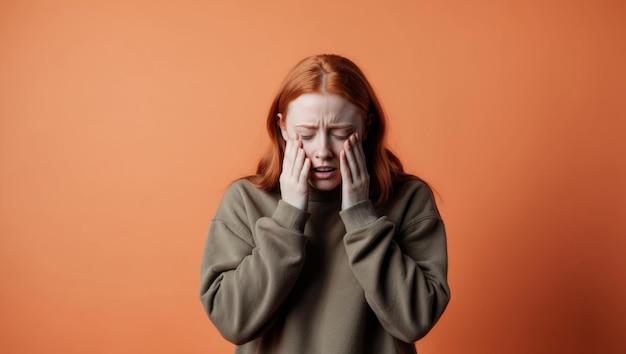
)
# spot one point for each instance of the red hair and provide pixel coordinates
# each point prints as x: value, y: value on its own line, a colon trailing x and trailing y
x: 333, y: 74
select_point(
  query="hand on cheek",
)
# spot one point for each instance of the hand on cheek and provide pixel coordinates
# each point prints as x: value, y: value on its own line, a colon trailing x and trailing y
x: 354, y: 175
x: 294, y: 187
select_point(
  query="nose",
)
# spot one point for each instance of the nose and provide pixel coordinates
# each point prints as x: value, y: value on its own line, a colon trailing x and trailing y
x: 322, y: 148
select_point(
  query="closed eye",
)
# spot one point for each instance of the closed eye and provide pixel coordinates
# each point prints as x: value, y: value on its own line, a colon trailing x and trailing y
x: 306, y: 137
x: 342, y: 137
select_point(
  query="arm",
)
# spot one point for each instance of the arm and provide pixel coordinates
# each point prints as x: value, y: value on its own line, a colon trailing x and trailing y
x: 403, y: 272
x: 245, y: 278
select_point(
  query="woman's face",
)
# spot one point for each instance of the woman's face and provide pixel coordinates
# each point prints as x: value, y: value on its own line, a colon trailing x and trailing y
x: 323, y: 123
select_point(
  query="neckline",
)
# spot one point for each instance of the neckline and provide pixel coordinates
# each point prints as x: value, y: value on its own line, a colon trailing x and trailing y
x: 316, y: 195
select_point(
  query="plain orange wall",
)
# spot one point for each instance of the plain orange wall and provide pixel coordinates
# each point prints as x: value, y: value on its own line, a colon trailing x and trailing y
x: 122, y: 122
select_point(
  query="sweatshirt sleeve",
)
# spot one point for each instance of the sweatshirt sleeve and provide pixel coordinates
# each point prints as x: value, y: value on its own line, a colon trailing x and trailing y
x: 248, y: 270
x: 403, y: 272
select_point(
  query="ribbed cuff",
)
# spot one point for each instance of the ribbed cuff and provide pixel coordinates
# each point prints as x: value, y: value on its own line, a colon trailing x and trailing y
x: 290, y: 217
x: 359, y: 215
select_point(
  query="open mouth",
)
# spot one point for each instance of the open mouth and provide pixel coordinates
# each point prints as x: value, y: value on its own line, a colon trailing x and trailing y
x: 325, y: 172
x: 324, y: 169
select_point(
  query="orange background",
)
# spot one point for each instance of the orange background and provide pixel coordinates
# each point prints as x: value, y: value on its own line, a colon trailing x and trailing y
x: 122, y: 122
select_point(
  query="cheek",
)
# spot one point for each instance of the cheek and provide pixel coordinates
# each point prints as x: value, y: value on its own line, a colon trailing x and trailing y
x: 308, y: 150
x: 337, y: 148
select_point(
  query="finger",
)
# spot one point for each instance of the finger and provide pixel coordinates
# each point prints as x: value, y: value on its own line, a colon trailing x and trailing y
x: 298, y: 156
x: 288, y: 158
x: 360, y: 153
x: 351, y: 158
x: 297, y: 164
x: 304, y: 173
x: 291, y: 154
x: 346, y: 176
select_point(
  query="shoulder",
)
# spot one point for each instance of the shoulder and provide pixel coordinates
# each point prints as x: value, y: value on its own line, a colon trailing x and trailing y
x: 411, y: 199
x: 242, y: 198
x: 239, y: 188
x: 242, y: 189
x: 415, y: 190
x: 412, y: 184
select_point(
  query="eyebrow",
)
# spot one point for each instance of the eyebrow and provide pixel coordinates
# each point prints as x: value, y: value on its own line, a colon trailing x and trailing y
x: 331, y: 126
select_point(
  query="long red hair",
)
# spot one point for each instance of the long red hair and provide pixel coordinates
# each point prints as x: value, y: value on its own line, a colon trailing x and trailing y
x: 333, y: 74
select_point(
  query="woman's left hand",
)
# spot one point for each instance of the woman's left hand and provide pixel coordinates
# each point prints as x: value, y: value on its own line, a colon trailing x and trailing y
x: 355, y: 179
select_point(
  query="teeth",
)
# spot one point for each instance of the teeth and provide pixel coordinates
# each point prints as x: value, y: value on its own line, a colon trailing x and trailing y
x: 324, y: 169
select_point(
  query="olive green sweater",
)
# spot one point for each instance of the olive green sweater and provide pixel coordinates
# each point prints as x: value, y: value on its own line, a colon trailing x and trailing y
x: 275, y: 279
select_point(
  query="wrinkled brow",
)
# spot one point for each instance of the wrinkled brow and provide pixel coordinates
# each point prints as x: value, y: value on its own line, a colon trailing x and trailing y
x: 331, y: 126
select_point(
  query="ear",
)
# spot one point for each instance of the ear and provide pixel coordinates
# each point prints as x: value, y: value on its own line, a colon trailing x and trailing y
x: 282, y: 126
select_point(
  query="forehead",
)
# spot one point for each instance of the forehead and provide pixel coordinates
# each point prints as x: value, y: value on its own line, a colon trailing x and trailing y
x: 316, y: 109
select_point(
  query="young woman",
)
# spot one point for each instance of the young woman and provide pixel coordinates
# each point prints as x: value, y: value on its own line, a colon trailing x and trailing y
x: 331, y: 247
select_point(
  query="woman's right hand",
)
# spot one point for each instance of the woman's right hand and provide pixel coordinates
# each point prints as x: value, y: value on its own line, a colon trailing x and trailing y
x: 294, y: 178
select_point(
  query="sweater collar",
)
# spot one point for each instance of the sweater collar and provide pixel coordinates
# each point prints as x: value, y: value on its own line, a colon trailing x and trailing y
x: 325, y: 196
